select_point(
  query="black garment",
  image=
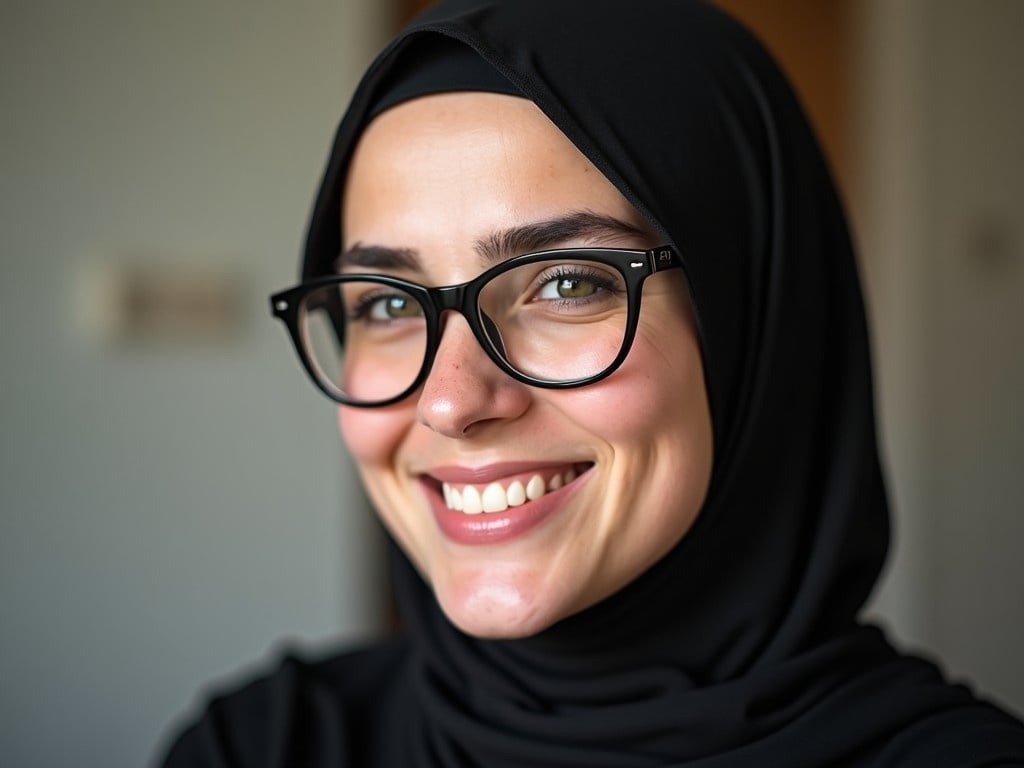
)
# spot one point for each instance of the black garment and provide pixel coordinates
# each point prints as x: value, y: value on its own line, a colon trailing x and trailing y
x: 742, y: 646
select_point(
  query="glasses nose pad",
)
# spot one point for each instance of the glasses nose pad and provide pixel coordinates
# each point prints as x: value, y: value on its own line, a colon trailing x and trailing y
x: 493, y: 334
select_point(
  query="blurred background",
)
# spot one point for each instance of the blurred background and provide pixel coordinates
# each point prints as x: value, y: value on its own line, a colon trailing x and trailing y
x: 175, y: 505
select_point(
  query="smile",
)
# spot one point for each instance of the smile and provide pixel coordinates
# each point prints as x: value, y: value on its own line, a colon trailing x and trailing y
x: 497, y: 497
x: 500, y: 501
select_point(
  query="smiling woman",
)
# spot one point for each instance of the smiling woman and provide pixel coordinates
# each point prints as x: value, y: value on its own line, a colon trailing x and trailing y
x: 581, y: 288
x: 441, y: 174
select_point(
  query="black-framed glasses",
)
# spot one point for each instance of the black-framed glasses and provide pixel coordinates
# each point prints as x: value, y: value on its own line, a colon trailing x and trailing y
x: 556, y: 319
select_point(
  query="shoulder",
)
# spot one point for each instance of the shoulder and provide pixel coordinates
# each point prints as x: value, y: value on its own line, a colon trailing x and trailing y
x: 304, y: 711
x: 928, y: 721
x: 975, y: 735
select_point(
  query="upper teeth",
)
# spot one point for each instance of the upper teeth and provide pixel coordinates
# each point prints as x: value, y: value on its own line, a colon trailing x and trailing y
x: 497, y: 498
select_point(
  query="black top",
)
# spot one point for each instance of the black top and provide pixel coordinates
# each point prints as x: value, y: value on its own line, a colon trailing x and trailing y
x: 742, y: 647
x: 363, y: 709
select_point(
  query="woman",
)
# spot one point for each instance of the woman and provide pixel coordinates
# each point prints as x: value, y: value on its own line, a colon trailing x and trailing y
x: 630, y: 533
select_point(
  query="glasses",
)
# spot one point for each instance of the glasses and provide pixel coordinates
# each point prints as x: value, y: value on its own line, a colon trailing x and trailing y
x: 554, y: 319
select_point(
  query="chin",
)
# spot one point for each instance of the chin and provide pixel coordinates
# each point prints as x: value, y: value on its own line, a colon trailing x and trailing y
x: 497, y: 609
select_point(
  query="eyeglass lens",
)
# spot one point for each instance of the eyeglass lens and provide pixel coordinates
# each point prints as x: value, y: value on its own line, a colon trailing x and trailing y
x: 555, y: 320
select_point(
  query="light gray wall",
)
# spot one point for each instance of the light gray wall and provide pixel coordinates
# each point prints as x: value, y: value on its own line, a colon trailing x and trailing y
x: 941, y: 215
x: 168, y: 509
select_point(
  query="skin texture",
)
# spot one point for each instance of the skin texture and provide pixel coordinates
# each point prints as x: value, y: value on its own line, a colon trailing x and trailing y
x: 435, y: 175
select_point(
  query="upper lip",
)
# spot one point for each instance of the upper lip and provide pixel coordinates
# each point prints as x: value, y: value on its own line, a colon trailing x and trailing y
x: 488, y: 473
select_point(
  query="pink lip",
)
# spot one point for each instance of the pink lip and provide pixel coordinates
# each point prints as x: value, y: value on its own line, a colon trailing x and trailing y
x: 493, y: 527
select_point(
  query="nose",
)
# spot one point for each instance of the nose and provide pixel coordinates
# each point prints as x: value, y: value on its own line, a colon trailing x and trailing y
x: 464, y: 389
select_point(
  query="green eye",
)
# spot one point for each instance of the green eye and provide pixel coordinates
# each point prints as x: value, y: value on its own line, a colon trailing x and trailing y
x: 568, y: 288
x: 394, y: 308
x: 385, y: 308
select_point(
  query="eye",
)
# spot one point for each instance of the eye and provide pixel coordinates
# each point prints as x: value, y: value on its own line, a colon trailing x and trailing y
x: 569, y: 287
x: 384, y: 308
x: 576, y: 284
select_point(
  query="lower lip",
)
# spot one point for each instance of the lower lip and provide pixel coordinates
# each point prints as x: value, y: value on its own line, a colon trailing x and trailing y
x: 497, y: 527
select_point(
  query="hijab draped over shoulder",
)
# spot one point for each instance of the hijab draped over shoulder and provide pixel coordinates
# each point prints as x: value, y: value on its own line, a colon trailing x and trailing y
x: 742, y: 647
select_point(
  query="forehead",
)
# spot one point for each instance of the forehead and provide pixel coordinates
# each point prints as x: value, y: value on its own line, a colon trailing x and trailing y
x: 447, y: 169
x: 424, y: 123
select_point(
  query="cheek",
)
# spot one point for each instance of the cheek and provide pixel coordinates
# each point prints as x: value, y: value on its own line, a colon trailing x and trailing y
x: 612, y: 410
x: 372, y: 434
x: 650, y: 394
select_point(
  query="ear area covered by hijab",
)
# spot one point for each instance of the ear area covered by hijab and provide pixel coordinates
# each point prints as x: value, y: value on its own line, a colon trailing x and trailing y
x: 742, y: 647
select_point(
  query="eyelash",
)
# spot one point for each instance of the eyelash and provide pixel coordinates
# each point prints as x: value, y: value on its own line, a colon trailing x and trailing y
x: 602, y: 281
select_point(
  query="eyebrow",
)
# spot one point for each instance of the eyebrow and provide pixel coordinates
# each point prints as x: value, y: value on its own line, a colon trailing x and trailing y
x: 537, y: 236
x: 377, y: 257
x: 500, y: 245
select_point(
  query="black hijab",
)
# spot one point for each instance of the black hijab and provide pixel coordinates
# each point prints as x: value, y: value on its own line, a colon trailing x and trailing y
x: 742, y: 647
